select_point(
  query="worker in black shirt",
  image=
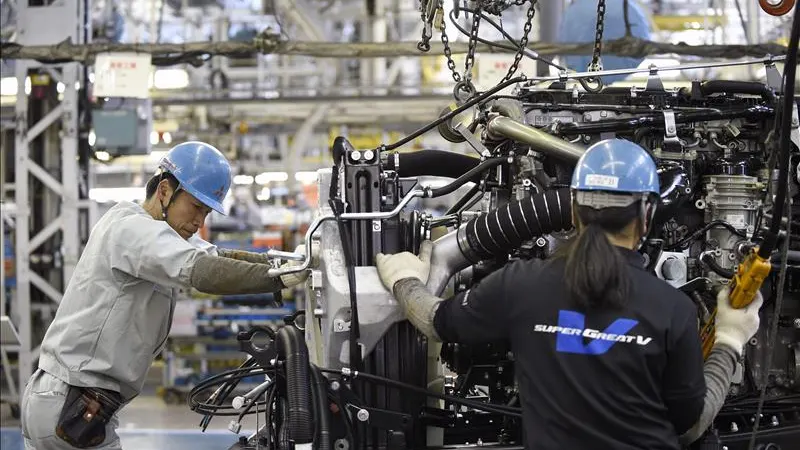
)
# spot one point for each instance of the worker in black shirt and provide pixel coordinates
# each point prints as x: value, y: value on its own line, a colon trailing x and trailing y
x: 607, y: 355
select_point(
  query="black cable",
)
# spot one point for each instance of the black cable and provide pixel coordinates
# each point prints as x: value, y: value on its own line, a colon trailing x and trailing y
x: 790, y: 68
x: 456, y: 208
x: 773, y: 336
x: 516, y: 46
x: 464, y: 179
x: 498, y: 409
x: 474, y: 101
x: 697, y: 234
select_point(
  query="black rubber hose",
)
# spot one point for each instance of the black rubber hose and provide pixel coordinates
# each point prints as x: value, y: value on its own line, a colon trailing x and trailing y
x: 507, y: 227
x: 293, y: 351
x: 468, y: 176
x: 706, y: 259
x: 323, y: 438
x: 435, y: 163
x: 738, y: 87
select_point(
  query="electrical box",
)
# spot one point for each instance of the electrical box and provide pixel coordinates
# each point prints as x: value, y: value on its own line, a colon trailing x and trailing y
x: 123, y: 127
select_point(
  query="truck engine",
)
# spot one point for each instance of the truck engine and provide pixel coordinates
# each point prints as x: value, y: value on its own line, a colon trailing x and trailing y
x: 350, y: 372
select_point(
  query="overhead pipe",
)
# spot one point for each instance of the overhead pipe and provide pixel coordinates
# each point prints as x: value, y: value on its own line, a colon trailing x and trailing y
x: 505, y: 128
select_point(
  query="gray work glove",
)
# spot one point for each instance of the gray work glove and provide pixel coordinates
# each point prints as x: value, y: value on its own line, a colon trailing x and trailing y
x: 734, y: 327
x: 393, y: 268
x: 293, y: 279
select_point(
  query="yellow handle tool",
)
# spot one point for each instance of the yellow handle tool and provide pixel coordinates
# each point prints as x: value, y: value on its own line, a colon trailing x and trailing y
x: 744, y: 286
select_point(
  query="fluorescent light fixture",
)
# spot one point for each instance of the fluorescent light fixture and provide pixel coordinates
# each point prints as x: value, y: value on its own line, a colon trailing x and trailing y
x: 170, y: 79
x: 243, y: 180
x: 266, y: 177
x: 8, y: 86
x: 305, y: 177
x: 264, y: 194
x: 107, y: 195
x: 102, y: 156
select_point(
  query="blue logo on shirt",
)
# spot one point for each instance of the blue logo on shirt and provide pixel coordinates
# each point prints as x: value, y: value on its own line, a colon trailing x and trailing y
x: 571, y: 333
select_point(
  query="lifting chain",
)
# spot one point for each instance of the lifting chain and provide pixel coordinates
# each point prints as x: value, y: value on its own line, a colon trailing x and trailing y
x: 523, y: 43
x: 424, y: 45
x: 596, y: 64
x: 464, y: 89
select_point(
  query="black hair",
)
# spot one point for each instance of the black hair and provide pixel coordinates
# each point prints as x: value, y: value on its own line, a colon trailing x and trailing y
x: 596, y: 272
x: 152, y: 183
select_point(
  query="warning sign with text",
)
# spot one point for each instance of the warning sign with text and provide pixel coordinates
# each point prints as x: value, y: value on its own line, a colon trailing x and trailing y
x: 122, y: 75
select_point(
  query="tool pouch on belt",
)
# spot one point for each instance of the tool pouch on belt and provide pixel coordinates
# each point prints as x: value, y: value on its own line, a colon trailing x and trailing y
x: 85, y: 414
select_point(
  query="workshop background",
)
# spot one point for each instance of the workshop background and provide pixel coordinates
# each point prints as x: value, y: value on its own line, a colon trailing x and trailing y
x: 70, y: 154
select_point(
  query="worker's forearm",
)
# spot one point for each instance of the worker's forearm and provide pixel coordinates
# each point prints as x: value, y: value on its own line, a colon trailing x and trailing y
x: 220, y: 276
x: 718, y: 372
x: 241, y: 255
x: 419, y: 304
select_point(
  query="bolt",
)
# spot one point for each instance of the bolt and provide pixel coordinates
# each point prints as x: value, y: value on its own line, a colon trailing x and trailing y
x: 355, y: 155
x: 335, y: 385
x: 368, y: 154
x: 362, y: 415
x: 671, y: 129
x: 734, y: 427
x: 541, y: 242
x: 775, y: 421
x: 797, y: 323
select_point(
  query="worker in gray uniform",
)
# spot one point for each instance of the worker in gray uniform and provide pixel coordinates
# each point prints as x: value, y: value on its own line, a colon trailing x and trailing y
x: 607, y: 355
x: 116, y: 312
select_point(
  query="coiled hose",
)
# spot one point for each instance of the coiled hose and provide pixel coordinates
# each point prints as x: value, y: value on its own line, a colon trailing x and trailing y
x: 292, y: 349
x: 507, y: 227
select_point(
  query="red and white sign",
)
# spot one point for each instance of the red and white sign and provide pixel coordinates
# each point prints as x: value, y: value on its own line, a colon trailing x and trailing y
x: 122, y: 75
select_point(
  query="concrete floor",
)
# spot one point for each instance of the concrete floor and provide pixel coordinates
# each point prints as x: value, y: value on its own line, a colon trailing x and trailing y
x: 150, y: 424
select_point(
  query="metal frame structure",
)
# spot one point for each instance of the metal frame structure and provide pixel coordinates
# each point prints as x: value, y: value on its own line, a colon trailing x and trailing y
x: 46, y: 154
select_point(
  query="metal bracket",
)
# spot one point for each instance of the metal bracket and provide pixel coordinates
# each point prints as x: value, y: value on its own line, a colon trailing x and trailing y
x: 654, y: 82
x: 340, y: 325
x: 671, y: 141
x: 378, y: 418
x: 774, y: 79
x: 474, y: 143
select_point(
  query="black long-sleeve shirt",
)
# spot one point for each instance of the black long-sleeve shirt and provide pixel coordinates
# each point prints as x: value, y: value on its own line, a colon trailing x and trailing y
x: 627, y: 379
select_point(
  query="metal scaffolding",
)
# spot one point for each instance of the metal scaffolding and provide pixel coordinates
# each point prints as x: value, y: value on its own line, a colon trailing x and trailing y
x: 51, y: 175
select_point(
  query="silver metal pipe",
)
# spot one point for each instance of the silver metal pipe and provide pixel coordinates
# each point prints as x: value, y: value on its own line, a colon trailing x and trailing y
x: 655, y: 69
x: 276, y: 272
x: 503, y: 127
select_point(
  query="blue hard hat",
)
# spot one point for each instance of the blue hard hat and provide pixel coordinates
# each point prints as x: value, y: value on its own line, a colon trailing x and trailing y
x: 202, y: 171
x: 578, y: 26
x: 617, y: 166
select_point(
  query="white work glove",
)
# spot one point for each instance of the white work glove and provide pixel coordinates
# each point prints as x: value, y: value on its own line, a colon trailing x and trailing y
x: 293, y: 279
x: 735, y: 327
x: 393, y: 268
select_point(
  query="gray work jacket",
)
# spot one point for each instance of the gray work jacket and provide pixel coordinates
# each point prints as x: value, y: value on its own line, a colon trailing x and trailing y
x: 116, y: 313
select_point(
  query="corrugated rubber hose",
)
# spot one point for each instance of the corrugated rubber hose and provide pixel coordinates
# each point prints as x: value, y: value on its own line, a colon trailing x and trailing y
x: 293, y: 351
x: 507, y: 227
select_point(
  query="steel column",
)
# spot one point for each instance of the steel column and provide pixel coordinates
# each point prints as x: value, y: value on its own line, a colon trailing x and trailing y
x: 57, y: 167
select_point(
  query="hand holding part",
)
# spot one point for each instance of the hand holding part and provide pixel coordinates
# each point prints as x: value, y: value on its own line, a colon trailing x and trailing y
x: 734, y: 327
x: 293, y: 279
x: 393, y: 268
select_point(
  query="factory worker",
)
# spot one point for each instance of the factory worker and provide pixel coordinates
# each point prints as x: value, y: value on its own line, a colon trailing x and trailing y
x: 116, y: 313
x: 607, y: 355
